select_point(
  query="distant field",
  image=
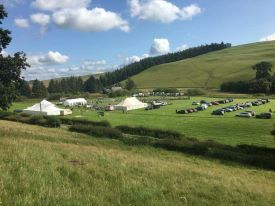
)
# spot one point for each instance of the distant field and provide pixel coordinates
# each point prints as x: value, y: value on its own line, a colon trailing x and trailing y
x: 41, y: 166
x: 227, y: 129
x: 209, y: 70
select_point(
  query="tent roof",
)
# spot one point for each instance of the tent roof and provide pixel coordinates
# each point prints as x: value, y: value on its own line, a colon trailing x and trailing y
x: 76, y: 100
x: 43, y: 106
x: 129, y: 102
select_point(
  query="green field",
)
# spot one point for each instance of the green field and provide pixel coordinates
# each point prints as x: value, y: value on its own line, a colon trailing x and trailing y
x: 209, y: 70
x: 42, y: 166
x: 226, y: 129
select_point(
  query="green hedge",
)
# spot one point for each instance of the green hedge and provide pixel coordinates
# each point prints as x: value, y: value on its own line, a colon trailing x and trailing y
x: 156, y: 133
x: 84, y: 122
x: 97, y: 131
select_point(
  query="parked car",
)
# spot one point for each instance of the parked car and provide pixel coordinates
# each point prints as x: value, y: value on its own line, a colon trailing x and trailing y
x: 200, y: 108
x: 182, y: 111
x: 190, y: 110
x: 267, y: 115
x: 255, y: 103
x: 244, y: 114
x: 228, y: 109
x: 252, y: 113
x: 209, y: 104
x: 203, y: 102
x: 218, y: 112
x: 248, y: 104
x: 205, y: 106
x: 215, y: 103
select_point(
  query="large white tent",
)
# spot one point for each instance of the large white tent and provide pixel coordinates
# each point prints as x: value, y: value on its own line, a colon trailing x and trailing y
x: 46, y: 108
x: 130, y: 103
x: 75, y: 102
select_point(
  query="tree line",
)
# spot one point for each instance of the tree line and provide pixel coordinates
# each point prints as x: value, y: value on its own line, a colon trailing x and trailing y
x: 71, y: 85
x: 129, y: 70
x: 264, y: 81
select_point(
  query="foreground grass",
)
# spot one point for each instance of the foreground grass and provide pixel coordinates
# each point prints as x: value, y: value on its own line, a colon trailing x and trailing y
x: 41, y: 166
x: 209, y: 70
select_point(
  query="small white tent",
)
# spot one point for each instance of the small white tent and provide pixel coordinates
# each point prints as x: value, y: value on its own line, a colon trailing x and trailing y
x: 74, y: 102
x: 130, y: 103
x: 46, y: 108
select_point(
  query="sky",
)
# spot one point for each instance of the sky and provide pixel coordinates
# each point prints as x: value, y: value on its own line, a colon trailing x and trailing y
x: 80, y: 37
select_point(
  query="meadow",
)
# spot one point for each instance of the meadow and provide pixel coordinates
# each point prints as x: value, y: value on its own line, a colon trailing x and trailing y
x: 209, y: 70
x: 42, y: 166
x: 226, y: 129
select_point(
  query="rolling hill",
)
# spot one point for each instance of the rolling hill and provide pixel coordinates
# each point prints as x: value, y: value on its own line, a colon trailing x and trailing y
x: 209, y: 70
x: 42, y: 166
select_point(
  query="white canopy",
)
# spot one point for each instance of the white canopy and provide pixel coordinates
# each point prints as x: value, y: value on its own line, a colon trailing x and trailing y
x: 74, y: 102
x: 46, y: 108
x: 130, y: 103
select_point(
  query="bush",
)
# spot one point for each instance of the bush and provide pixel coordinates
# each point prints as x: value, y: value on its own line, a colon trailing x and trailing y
x: 195, y: 92
x: 166, y: 90
x: 273, y: 132
x: 97, y: 131
x: 4, y: 114
x: 24, y: 115
x: 37, y: 119
x: 84, y: 122
x: 156, y: 133
x: 53, y: 121
x: 54, y: 96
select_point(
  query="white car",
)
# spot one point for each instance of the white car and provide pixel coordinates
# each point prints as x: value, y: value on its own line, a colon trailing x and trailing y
x: 244, y: 114
x: 229, y: 109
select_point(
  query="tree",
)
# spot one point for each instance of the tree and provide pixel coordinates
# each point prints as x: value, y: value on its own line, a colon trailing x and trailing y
x: 263, y: 70
x: 25, y: 89
x: 92, y: 85
x: 38, y: 89
x: 130, y: 84
x: 10, y: 68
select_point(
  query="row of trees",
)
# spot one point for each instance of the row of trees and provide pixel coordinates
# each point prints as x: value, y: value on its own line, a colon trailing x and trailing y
x: 127, y: 71
x: 264, y: 81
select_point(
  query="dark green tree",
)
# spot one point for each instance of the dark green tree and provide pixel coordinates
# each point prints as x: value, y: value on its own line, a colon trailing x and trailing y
x: 38, y: 89
x: 10, y: 68
x: 92, y: 85
x: 52, y: 88
x: 25, y: 89
x: 263, y: 70
x: 130, y: 84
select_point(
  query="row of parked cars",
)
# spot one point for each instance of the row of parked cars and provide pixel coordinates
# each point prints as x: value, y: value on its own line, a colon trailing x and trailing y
x: 203, y: 105
x: 241, y: 106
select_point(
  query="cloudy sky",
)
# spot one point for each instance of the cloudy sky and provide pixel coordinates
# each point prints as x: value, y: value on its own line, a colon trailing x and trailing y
x: 78, y: 37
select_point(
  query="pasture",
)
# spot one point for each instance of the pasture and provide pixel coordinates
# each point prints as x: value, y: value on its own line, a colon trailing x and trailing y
x: 42, y: 166
x: 209, y: 70
x: 226, y: 129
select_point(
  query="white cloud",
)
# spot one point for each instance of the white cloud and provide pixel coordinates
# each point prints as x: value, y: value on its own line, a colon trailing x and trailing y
x: 41, y: 19
x: 182, y: 47
x: 47, y: 59
x: 270, y: 37
x: 160, y: 46
x: 22, y: 23
x: 132, y: 59
x: 161, y: 10
x: 190, y: 11
x: 51, y: 5
x: 83, y: 19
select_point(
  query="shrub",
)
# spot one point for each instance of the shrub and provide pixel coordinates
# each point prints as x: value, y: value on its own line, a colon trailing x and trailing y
x: 53, y: 121
x: 84, y: 122
x: 97, y: 131
x: 195, y: 92
x: 273, y: 132
x: 4, y: 114
x: 24, y: 115
x: 37, y: 119
x: 157, y: 133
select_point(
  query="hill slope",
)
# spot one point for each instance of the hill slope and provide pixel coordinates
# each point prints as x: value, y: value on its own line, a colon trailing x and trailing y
x: 209, y: 70
x: 41, y: 166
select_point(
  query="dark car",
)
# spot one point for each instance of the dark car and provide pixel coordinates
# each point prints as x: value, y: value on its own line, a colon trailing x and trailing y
x: 256, y: 103
x: 264, y: 116
x: 215, y: 103
x: 218, y: 112
x: 182, y: 111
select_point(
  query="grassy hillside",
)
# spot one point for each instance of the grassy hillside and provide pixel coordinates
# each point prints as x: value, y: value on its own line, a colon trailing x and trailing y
x: 209, y: 70
x: 41, y: 166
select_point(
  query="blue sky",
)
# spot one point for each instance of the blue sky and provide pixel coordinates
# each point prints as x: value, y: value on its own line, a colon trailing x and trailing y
x: 76, y: 37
